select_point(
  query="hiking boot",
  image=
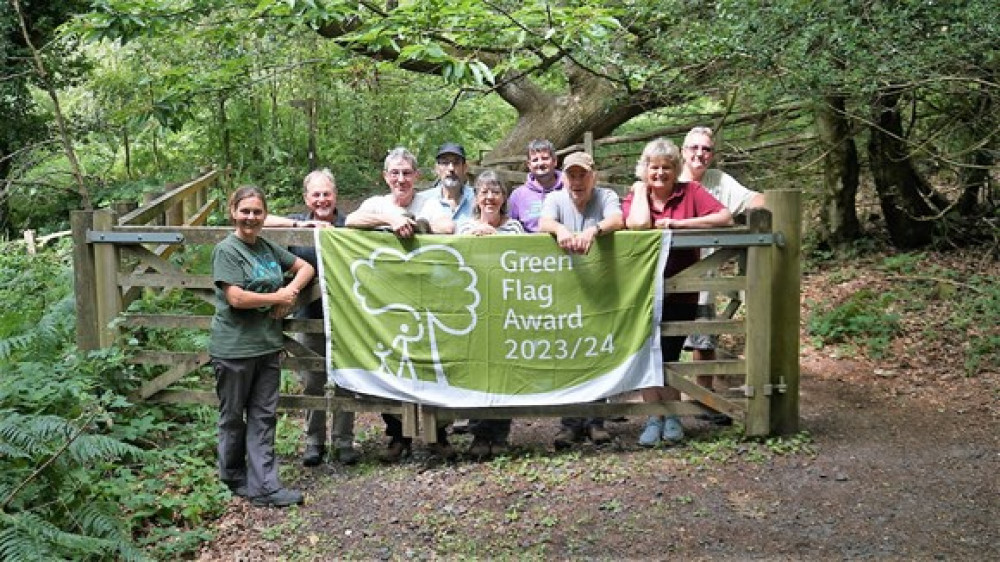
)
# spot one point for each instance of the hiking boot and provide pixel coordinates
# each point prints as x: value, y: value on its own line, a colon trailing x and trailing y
x: 314, y: 455
x: 443, y: 450
x: 283, y: 497
x: 673, y: 431
x: 479, y: 449
x: 566, y: 437
x: 598, y: 435
x: 650, y: 435
x: 348, y: 455
x: 397, y: 450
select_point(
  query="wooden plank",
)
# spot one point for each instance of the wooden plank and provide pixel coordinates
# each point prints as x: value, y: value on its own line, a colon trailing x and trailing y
x: 678, y: 284
x: 717, y: 367
x: 174, y: 374
x: 785, y: 317
x: 84, y: 282
x: 317, y: 363
x: 684, y: 328
x: 709, y: 266
x: 703, y: 395
x: 155, y: 357
x: 215, y: 234
x: 166, y: 280
x: 201, y: 322
x: 159, y: 205
x: 759, y: 326
x: 106, y: 268
x: 285, y: 401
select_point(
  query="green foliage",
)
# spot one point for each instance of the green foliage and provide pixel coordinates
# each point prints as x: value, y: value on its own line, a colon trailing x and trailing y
x: 85, y: 474
x: 864, y: 317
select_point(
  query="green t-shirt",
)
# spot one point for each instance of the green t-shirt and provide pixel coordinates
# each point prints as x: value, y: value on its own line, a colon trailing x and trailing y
x: 259, y: 267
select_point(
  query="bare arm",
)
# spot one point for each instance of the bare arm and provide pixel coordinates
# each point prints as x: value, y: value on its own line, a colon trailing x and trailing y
x: 238, y: 297
x: 403, y: 226
x: 716, y: 219
x: 639, y: 217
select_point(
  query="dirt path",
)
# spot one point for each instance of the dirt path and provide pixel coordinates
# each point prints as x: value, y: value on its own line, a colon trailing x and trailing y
x: 891, y: 471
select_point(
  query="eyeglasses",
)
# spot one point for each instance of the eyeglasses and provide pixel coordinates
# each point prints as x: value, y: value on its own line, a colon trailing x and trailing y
x: 400, y: 173
x: 450, y: 162
x: 697, y: 147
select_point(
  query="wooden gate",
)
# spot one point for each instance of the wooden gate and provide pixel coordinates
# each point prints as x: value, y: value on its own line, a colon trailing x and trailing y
x: 117, y: 255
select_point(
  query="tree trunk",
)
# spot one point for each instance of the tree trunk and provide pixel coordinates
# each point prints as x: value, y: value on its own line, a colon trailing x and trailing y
x: 975, y: 180
x: 904, y: 196
x: 838, y: 218
x: 224, y: 131
x: 128, y: 152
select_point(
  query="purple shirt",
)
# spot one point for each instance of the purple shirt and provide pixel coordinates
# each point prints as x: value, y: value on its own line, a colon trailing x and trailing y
x: 525, y: 203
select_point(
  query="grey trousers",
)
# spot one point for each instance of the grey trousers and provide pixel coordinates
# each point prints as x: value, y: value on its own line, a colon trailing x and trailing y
x: 248, y: 401
x: 314, y: 384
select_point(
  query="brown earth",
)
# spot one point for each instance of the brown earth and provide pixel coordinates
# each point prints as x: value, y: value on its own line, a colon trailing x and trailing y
x: 898, y: 459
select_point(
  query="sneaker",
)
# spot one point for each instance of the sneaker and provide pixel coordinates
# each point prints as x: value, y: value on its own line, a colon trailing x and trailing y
x: 348, y: 455
x: 673, y: 431
x: 397, y: 450
x: 566, y: 437
x: 650, y: 435
x: 598, y: 435
x: 282, y: 497
x: 442, y: 450
x: 479, y: 449
x: 314, y: 455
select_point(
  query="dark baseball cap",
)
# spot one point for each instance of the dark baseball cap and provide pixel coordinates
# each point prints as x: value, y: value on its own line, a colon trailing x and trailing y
x: 451, y: 148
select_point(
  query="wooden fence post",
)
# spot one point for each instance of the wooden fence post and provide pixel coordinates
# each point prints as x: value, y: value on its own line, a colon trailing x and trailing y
x: 785, y: 204
x: 106, y: 266
x: 759, y: 330
x: 84, y: 282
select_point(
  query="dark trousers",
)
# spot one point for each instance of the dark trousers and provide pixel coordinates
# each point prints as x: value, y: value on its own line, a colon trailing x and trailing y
x: 248, y: 402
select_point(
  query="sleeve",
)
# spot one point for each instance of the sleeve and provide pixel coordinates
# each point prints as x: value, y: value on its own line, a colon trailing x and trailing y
x: 550, y: 206
x: 512, y: 226
x: 733, y: 194
x: 369, y: 205
x: 432, y: 209
x: 226, y: 268
x: 611, y: 202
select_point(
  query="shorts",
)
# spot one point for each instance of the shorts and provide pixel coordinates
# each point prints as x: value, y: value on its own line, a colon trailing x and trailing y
x: 703, y: 342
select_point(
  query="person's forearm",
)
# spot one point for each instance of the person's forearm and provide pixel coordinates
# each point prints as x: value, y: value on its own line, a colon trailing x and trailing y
x: 303, y: 275
x: 359, y: 219
x: 276, y: 221
x: 721, y: 218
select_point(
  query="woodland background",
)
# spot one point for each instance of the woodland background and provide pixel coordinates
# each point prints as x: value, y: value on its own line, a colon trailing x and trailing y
x: 884, y: 113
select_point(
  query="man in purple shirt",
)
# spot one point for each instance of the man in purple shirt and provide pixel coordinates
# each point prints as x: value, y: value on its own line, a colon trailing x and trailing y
x: 525, y: 203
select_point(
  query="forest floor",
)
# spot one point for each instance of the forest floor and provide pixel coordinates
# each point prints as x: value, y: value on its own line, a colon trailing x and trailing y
x: 898, y: 459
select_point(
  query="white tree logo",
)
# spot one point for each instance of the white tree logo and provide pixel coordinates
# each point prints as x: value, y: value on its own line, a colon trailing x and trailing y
x: 437, y: 266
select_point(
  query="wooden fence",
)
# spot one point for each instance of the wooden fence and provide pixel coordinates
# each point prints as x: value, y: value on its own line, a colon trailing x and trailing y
x: 118, y: 255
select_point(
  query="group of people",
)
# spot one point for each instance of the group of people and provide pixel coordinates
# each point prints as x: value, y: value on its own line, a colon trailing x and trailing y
x: 675, y: 189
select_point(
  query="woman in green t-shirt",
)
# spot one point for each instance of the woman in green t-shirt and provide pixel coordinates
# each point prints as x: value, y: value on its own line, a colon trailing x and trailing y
x: 251, y: 301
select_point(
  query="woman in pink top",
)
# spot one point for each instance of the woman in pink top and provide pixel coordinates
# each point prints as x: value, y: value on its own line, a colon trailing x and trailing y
x: 659, y: 200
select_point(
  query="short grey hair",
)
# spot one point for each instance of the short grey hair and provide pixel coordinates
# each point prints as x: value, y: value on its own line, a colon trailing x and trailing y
x: 323, y: 173
x: 659, y: 148
x: 707, y: 131
x: 399, y: 153
x: 541, y: 145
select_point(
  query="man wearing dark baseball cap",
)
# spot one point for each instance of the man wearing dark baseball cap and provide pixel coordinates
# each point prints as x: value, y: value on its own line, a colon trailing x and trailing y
x: 450, y: 197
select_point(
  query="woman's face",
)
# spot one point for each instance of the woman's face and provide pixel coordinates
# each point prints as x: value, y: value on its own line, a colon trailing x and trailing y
x: 490, y: 199
x: 248, y: 216
x: 660, y: 173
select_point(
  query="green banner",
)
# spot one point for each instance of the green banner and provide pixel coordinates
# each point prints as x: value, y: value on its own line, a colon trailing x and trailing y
x: 504, y: 320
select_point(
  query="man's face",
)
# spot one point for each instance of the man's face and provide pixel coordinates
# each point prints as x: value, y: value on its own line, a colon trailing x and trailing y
x: 698, y: 151
x: 400, y: 177
x: 321, y: 198
x: 541, y: 163
x: 453, y: 166
x: 580, y: 183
